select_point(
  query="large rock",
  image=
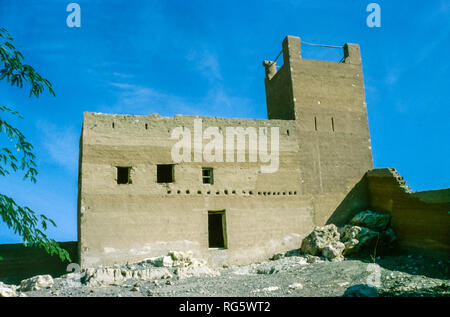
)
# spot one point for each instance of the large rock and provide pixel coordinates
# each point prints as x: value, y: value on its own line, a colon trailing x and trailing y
x: 36, y: 283
x: 357, y: 238
x: 319, y: 238
x: 161, y: 261
x: 361, y: 290
x: 173, y: 259
x: 369, y: 219
x: 7, y: 290
x: 388, y: 237
x: 333, y: 251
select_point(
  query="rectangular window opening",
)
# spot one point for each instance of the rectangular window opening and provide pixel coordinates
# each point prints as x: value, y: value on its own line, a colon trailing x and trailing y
x: 207, y: 175
x: 123, y: 175
x: 165, y: 173
x: 315, y: 123
x: 332, y: 123
x: 217, y: 236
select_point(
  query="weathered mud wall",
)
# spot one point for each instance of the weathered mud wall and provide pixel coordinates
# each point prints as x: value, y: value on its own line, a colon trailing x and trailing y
x: 264, y: 212
x: 327, y: 101
x: 421, y: 220
x: 324, y: 151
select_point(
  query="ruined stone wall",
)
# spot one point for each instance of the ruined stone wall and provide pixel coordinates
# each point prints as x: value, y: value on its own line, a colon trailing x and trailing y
x: 265, y: 212
x: 420, y: 220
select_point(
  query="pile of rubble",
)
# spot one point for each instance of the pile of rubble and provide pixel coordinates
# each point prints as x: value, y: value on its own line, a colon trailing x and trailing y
x: 31, y: 284
x: 367, y: 232
x: 179, y: 265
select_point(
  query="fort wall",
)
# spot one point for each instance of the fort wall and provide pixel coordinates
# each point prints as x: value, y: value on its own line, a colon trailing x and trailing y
x: 265, y: 212
x: 324, y: 150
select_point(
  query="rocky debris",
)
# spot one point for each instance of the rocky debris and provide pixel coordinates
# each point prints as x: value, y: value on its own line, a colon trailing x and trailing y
x: 356, y: 238
x: 333, y: 251
x: 368, y: 230
x: 195, y: 271
x: 275, y: 266
x: 266, y: 289
x: 325, y: 242
x: 371, y: 220
x: 296, y: 286
x: 175, y: 259
x: 162, y: 261
x: 108, y: 276
x: 311, y: 259
x: 36, y: 283
x: 388, y: 236
x: 181, y: 264
x: 319, y: 238
x: 361, y: 290
x: 270, y: 289
x: 8, y: 290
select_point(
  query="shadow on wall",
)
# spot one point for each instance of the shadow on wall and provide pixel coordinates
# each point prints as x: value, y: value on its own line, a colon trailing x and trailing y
x: 356, y: 201
x: 20, y: 262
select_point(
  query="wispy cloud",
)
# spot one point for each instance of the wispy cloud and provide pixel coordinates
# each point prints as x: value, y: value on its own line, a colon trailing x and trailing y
x: 393, y: 76
x: 207, y: 63
x: 136, y: 99
x: 122, y: 75
x: 61, y: 144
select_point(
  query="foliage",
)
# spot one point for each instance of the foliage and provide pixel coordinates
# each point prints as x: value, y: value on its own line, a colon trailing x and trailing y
x: 22, y: 220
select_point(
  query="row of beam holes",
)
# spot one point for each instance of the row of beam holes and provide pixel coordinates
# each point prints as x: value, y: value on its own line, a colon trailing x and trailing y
x: 233, y: 192
x: 315, y: 124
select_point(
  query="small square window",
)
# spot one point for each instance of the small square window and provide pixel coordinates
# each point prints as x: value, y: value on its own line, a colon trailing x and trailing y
x: 207, y: 175
x: 164, y: 173
x: 123, y: 175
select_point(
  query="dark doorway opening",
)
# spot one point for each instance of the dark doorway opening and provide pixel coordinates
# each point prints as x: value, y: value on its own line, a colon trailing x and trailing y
x: 217, y: 237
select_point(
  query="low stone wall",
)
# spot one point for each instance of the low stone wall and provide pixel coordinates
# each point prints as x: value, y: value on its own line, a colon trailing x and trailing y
x: 20, y: 262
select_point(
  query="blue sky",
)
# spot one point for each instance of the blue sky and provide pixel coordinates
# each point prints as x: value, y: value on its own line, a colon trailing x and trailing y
x: 204, y: 57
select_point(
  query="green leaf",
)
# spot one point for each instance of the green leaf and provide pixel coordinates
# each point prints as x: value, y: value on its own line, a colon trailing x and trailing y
x: 22, y: 220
